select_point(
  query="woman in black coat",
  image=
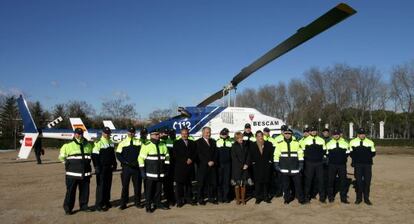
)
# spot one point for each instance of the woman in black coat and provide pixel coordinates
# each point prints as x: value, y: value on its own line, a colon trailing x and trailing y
x: 261, y: 157
x: 239, y: 165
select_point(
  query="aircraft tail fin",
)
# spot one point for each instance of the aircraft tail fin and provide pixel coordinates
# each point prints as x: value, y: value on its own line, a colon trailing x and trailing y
x: 27, y: 145
x: 109, y: 124
x: 29, y: 128
x: 29, y: 125
x: 77, y: 122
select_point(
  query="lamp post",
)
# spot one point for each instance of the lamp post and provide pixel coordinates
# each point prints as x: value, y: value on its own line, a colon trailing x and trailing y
x: 319, y: 124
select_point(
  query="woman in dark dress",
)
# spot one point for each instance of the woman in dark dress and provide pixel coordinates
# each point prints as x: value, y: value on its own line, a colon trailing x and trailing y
x: 239, y: 165
x: 261, y: 158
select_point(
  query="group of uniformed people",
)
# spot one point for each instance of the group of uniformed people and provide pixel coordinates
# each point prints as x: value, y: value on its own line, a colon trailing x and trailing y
x: 167, y: 166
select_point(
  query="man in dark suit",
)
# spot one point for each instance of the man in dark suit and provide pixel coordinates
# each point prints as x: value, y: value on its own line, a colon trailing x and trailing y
x: 184, y: 153
x: 207, y: 167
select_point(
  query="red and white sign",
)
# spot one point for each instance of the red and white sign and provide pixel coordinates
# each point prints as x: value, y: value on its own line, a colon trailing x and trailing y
x: 28, y: 142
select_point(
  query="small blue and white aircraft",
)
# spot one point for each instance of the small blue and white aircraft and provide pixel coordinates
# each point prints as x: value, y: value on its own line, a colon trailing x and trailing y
x: 195, y: 118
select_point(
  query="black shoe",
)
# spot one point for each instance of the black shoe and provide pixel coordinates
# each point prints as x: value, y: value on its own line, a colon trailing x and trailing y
x: 108, y: 205
x: 345, y: 201
x: 368, y: 202
x: 193, y: 203
x: 202, y: 203
x: 86, y: 210
x: 68, y: 212
x: 304, y: 202
x: 180, y: 204
x: 122, y: 207
x: 322, y: 200
x: 101, y: 209
x: 268, y: 200
x: 214, y: 202
x: 149, y: 210
x: 358, y: 201
x: 286, y: 202
x: 278, y: 195
x: 331, y: 200
x: 258, y: 201
x: 163, y: 207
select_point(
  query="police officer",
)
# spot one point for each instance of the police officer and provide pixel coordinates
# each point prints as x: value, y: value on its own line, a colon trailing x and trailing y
x: 103, y: 157
x: 305, y: 134
x: 77, y: 158
x: 266, y: 134
x: 127, y: 154
x: 248, y: 136
x: 280, y: 137
x: 362, y: 151
x: 275, y: 188
x: 325, y: 135
x: 337, y: 150
x: 314, y: 149
x: 168, y: 137
x: 277, y: 181
x: 143, y: 135
x: 224, y: 144
x: 288, y: 159
x: 248, y: 140
x: 153, y: 163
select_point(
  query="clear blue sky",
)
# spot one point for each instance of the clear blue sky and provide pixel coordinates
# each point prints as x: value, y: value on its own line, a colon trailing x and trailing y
x: 161, y: 53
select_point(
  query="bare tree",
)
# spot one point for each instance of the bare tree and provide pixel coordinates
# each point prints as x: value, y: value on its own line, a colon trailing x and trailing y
x: 120, y: 111
x: 364, y: 83
x: 402, y: 79
x: 298, y: 100
x: 39, y: 114
x: 118, y: 108
x: 82, y: 110
x: 337, y: 94
x: 59, y: 111
x: 316, y: 82
x: 247, y: 98
x: 159, y: 115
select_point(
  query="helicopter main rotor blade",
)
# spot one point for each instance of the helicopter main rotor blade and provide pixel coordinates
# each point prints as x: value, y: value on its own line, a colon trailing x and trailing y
x: 218, y: 95
x: 324, y: 22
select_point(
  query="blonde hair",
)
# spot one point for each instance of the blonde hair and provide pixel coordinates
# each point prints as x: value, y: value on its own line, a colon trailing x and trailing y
x: 238, y: 135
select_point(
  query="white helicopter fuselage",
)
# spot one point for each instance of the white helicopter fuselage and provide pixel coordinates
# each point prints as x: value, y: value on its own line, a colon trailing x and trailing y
x: 234, y: 119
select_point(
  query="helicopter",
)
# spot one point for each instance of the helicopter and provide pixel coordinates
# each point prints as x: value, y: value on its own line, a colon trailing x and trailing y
x: 195, y: 118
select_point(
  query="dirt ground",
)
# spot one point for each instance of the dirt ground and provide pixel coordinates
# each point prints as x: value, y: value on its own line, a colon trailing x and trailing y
x: 32, y: 193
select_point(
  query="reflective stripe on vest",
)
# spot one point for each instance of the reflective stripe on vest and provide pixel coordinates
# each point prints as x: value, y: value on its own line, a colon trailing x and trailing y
x: 78, y: 157
x: 287, y: 171
x: 77, y: 174
x: 154, y: 175
x: 287, y: 155
x: 155, y: 158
